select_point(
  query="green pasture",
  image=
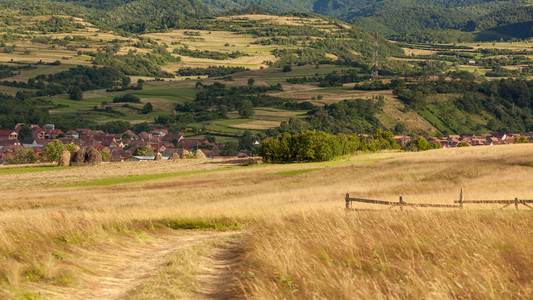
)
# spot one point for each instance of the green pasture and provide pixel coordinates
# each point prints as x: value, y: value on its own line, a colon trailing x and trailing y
x: 24, y: 170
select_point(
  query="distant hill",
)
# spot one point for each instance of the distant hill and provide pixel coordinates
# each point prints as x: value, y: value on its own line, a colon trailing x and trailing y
x: 113, y: 13
x: 516, y: 22
x: 399, y: 17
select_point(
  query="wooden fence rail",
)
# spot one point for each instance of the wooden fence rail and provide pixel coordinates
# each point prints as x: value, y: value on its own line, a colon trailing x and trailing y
x: 460, y: 202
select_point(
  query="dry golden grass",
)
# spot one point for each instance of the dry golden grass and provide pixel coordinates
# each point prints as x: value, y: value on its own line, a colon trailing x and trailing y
x: 216, y: 41
x: 41, y: 222
x: 392, y: 255
x: 257, y: 125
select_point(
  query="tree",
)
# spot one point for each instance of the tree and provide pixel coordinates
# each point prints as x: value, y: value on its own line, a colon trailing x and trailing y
x: 147, y: 108
x: 463, y: 144
x: 251, y: 81
x: 247, y: 109
x: 24, y: 133
x: 138, y: 128
x: 126, y: 80
x: 22, y: 156
x: 521, y: 140
x: 211, y: 138
x: 287, y: 69
x: 246, y: 141
x: 75, y: 93
x: 105, y: 155
x: 144, y: 151
x: 127, y: 98
x: 230, y: 149
x: 53, y: 150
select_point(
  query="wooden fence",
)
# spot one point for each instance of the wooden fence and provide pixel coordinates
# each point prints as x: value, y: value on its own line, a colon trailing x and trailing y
x: 459, y: 203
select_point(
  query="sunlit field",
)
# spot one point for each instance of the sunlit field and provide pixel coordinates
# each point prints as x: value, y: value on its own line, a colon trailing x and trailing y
x: 292, y: 235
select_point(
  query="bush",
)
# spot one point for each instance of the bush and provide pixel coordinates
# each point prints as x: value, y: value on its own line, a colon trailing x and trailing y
x: 127, y: 98
x: 53, y: 150
x: 105, y: 155
x: 22, y: 156
x: 144, y: 151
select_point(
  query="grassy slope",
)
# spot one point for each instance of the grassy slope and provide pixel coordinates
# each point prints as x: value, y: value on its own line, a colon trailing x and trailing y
x: 302, y: 203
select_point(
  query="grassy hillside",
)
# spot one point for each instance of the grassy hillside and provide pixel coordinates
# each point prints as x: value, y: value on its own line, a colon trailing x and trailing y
x: 297, y: 239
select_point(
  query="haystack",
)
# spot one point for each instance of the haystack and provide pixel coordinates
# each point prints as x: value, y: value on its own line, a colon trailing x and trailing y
x: 199, y: 154
x: 92, y: 156
x: 64, y: 159
x: 158, y: 156
x: 77, y: 158
x: 185, y: 154
x: 174, y: 156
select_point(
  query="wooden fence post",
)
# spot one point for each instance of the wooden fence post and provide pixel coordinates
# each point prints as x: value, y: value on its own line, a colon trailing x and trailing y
x: 401, y: 202
x: 347, y: 201
x: 461, y: 199
x: 516, y: 203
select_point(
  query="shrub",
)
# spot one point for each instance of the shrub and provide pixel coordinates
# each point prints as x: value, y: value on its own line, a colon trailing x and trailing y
x: 127, y: 98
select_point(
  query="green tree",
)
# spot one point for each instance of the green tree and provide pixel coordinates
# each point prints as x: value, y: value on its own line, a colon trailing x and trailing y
x: 147, y: 108
x: 521, y: 140
x: 463, y: 144
x: 75, y: 93
x: 70, y: 147
x: 53, y: 150
x: 22, y: 156
x: 25, y: 133
x: 105, y: 155
x: 230, y: 149
x: 126, y: 80
x: 144, y: 151
x: 247, y: 109
x: 251, y: 81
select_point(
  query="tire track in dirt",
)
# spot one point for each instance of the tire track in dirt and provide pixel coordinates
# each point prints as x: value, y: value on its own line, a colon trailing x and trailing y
x: 115, y: 272
x: 220, y: 277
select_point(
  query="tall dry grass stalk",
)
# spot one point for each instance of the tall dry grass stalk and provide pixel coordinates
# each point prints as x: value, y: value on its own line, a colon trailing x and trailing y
x: 384, y: 255
x: 41, y: 223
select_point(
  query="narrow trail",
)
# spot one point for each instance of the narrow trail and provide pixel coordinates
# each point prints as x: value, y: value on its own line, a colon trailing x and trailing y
x: 219, y: 277
x: 113, y: 273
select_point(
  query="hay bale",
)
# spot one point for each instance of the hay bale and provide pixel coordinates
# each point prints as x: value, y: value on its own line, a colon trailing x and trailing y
x: 185, y: 154
x: 158, y: 156
x: 77, y: 158
x: 64, y: 159
x: 92, y: 156
x: 199, y: 154
x: 174, y: 156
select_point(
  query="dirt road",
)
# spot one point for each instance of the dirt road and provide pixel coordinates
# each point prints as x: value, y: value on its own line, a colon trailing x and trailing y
x: 113, y: 273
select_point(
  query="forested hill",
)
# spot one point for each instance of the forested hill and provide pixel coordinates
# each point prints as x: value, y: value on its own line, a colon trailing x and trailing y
x: 404, y: 20
x: 115, y: 13
x: 393, y: 17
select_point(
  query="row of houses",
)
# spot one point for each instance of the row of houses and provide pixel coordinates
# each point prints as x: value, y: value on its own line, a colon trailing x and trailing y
x: 483, y: 139
x: 120, y: 146
x: 452, y: 141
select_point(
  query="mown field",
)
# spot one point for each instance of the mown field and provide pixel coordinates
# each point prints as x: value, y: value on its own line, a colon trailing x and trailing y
x: 288, y: 234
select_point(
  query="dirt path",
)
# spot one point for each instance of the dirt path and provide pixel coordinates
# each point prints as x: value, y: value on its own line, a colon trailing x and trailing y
x: 113, y: 273
x: 219, y: 276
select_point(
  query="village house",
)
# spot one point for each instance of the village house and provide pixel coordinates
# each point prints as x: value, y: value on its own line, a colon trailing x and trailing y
x: 8, y: 135
x: 128, y: 135
x: 10, y: 142
x: 172, y: 137
x: 72, y: 134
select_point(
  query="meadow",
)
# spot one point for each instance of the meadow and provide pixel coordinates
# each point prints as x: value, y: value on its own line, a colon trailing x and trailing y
x: 280, y: 231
